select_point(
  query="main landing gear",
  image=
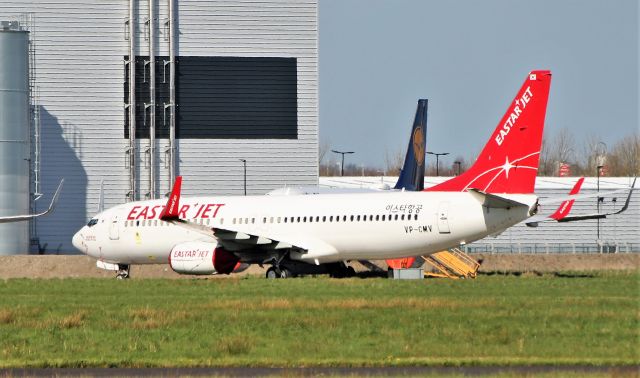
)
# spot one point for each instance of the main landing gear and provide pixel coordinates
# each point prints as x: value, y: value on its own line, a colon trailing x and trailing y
x: 123, y: 272
x: 289, y: 269
x: 279, y: 272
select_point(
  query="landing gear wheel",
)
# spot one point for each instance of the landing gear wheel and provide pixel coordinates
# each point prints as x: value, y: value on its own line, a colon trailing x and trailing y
x: 123, y: 272
x: 351, y: 272
x: 273, y: 273
x: 286, y: 273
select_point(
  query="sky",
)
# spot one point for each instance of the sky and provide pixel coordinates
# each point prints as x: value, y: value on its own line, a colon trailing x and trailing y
x: 469, y: 58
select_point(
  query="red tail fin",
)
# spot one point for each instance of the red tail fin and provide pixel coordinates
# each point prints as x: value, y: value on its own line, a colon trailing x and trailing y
x: 565, y: 206
x: 172, y: 208
x: 509, y: 161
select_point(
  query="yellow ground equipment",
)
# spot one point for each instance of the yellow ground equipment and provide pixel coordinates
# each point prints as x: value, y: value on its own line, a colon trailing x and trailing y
x: 453, y: 263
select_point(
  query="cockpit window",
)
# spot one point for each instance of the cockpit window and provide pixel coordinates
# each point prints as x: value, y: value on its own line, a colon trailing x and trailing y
x: 92, y: 222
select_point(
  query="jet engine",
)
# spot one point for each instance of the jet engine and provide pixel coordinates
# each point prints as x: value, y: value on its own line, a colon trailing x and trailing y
x: 202, y: 258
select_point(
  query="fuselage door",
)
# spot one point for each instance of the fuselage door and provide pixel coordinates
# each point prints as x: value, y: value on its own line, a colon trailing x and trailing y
x: 114, y: 231
x: 443, y: 218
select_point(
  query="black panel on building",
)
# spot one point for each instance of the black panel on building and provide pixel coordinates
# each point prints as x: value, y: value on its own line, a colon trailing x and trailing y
x: 219, y: 98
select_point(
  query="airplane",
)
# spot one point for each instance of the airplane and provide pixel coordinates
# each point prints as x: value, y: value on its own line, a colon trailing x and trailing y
x: 297, y: 234
x: 26, y: 217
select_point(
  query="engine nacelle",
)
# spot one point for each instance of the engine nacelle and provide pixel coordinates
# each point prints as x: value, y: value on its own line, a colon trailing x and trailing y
x: 202, y: 258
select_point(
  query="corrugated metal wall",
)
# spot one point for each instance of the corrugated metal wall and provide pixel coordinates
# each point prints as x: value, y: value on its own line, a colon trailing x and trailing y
x: 80, y: 73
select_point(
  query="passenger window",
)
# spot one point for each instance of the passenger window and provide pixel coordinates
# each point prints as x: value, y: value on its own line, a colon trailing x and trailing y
x: 402, y: 217
x: 358, y: 219
x: 352, y: 217
x: 271, y: 220
x: 137, y: 223
x: 253, y: 220
x: 298, y: 220
x: 396, y: 216
x: 344, y: 218
x: 279, y: 219
x: 330, y: 218
x: 311, y: 219
x: 377, y: 217
x: 304, y: 219
x: 415, y: 217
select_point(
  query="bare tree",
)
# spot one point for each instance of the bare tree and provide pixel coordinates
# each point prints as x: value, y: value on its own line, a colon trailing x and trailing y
x: 593, y: 154
x: 624, y: 158
x: 544, y: 165
x: 394, y: 160
x: 323, y: 148
x: 558, y: 150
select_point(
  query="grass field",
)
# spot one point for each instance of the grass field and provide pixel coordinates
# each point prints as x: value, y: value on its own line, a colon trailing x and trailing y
x: 493, y: 320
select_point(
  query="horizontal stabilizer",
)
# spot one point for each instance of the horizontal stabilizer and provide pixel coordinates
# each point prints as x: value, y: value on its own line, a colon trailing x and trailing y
x: 582, y: 217
x: 494, y: 201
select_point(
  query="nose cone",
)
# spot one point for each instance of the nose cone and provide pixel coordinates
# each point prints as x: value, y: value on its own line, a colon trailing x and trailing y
x: 78, y: 241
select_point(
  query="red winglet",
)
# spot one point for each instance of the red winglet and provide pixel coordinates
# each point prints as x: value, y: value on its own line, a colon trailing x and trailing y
x: 172, y: 207
x: 565, y: 206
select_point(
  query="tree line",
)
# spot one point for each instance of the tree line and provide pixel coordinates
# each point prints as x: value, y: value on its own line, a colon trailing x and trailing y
x: 561, y: 155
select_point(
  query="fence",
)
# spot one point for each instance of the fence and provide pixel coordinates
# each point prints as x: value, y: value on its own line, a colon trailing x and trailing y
x: 544, y: 248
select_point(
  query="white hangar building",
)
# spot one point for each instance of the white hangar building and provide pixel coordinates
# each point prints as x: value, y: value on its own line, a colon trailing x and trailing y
x: 212, y: 83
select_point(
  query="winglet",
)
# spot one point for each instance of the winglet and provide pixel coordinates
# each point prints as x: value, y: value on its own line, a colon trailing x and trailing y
x: 54, y: 200
x: 565, y: 206
x: 172, y: 207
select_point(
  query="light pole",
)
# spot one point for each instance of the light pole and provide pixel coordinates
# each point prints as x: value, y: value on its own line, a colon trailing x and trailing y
x: 244, y: 162
x: 438, y: 154
x: 342, y: 153
x: 599, y: 166
x: 458, y: 163
x: 615, y: 236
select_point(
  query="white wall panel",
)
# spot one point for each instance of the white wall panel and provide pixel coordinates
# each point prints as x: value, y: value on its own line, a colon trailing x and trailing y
x: 80, y: 74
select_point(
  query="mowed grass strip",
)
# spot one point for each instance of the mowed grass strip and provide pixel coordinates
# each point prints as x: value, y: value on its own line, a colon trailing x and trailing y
x: 493, y: 320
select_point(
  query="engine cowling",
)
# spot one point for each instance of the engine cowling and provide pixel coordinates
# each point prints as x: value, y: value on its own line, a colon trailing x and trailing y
x: 202, y: 258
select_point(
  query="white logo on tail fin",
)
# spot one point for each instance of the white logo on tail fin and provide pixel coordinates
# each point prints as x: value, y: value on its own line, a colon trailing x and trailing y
x: 520, y: 105
x: 532, y: 77
x: 506, y: 167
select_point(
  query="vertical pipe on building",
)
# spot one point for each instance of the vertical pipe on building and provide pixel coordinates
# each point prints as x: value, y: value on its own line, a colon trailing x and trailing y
x: 132, y: 101
x: 172, y: 94
x: 152, y: 102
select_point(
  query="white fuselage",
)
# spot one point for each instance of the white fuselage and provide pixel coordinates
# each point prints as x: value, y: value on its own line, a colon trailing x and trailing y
x: 324, y: 228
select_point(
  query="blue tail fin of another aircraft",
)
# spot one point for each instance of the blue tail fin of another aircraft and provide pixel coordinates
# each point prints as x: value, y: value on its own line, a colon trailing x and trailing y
x: 412, y: 174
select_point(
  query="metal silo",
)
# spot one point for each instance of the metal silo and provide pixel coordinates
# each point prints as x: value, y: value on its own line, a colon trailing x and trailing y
x: 14, y: 136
